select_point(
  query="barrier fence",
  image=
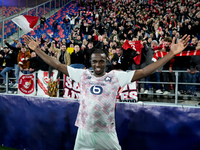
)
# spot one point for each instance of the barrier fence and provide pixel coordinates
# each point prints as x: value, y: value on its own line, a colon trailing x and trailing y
x: 174, y: 95
x: 40, y: 123
x: 176, y: 83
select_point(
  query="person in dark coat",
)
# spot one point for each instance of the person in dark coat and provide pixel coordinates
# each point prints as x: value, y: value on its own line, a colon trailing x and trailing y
x: 42, y: 21
x: 8, y: 62
x: 77, y: 58
x: 34, y: 63
x: 120, y: 60
x: 55, y: 26
x: 15, y: 51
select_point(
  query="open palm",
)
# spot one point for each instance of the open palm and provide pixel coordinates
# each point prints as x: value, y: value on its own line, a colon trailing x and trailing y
x: 181, y: 45
x: 31, y: 43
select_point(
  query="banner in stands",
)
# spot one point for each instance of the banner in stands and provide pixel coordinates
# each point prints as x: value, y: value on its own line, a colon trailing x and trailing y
x: 87, y: 13
x: 26, y: 84
x: 160, y: 54
x: 71, y: 88
x: 43, y: 80
x: 127, y: 93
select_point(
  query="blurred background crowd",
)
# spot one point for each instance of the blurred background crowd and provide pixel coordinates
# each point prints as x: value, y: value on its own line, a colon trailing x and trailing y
x: 107, y: 25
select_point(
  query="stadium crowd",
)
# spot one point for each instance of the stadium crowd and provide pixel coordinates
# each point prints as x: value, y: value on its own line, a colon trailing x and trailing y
x: 107, y: 25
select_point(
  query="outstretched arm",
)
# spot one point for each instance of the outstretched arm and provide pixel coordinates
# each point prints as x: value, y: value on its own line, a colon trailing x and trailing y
x: 175, y: 49
x: 11, y: 47
x: 48, y: 59
x: 13, y: 39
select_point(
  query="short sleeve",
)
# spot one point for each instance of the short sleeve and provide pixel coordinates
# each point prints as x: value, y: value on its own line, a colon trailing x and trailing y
x: 75, y: 74
x: 124, y: 77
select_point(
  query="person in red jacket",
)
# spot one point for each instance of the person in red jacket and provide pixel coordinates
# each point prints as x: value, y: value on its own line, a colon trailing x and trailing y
x: 22, y: 58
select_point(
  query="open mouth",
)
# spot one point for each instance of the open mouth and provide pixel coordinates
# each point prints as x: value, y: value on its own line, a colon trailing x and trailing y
x: 97, y: 69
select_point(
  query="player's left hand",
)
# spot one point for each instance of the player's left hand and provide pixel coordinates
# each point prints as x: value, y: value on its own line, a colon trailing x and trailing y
x: 181, y: 45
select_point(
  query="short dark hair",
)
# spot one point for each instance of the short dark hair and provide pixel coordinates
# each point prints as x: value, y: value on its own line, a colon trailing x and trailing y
x: 118, y: 47
x: 168, y: 39
x: 77, y: 45
x: 63, y: 45
x: 97, y: 51
x: 23, y: 46
x: 90, y: 42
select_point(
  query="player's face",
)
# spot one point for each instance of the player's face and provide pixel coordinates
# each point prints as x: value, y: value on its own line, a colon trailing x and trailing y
x: 98, y: 63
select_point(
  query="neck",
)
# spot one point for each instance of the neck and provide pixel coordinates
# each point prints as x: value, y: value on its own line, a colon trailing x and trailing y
x: 99, y: 75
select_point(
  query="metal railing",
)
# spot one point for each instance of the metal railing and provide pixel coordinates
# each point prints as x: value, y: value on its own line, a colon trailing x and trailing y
x: 8, y: 88
x: 176, y: 83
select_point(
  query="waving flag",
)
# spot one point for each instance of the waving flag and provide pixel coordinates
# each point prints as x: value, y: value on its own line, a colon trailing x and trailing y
x: 26, y: 23
x: 136, y: 46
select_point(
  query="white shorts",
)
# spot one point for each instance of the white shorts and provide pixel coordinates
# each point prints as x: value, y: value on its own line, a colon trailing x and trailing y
x: 96, y: 141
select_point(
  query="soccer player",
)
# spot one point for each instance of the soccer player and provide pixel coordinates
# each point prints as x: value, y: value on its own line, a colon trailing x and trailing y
x: 96, y: 116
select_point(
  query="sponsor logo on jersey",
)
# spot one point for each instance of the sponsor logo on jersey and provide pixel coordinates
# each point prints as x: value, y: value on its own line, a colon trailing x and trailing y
x: 96, y: 90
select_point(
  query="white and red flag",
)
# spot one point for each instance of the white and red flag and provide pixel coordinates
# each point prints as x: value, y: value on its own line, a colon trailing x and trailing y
x: 25, y: 22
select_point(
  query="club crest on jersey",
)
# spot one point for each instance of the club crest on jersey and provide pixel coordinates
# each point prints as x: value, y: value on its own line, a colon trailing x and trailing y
x: 108, y: 79
x: 96, y: 90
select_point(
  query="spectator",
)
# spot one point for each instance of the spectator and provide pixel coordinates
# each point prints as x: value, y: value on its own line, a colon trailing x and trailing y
x: 77, y: 58
x: 87, y: 52
x: 15, y: 51
x: 120, y: 60
x: 55, y: 26
x: 45, y: 42
x: 22, y: 58
x: 66, y: 22
x: 8, y: 62
x: 99, y: 43
x: 57, y: 41
x: 86, y: 28
x: 76, y: 37
x: 191, y: 77
x: 157, y: 75
x: 34, y: 63
x: 166, y: 76
x: 72, y: 22
x: 195, y: 27
x: 1, y: 60
x: 43, y: 66
x: 42, y: 22
x: 62, y: 55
